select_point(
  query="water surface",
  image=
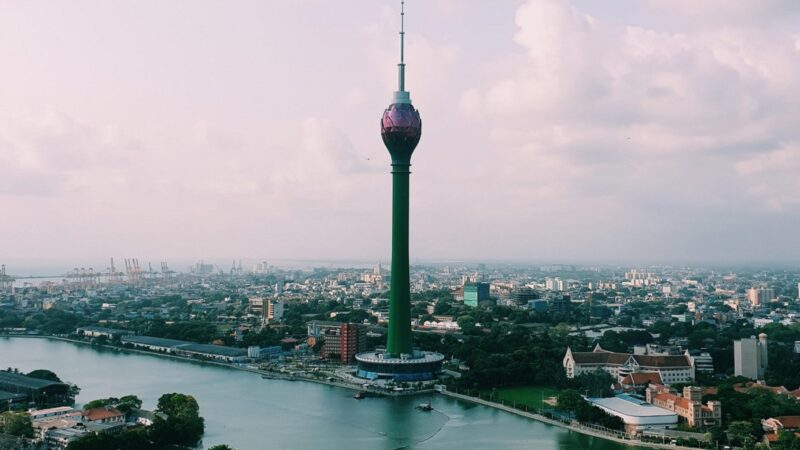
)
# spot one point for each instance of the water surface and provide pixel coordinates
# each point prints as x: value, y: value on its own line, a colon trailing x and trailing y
x: 247, y: 412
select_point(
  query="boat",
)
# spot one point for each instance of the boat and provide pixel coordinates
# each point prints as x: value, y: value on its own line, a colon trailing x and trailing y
x: 425, y: 407
x: 360, y: 395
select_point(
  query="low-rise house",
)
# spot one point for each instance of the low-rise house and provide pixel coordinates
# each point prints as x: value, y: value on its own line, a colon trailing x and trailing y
x: 638, y: 382
x: 777, y: 424
x: 103, y: 414
x: 41, y: 414
x: 60, y: 438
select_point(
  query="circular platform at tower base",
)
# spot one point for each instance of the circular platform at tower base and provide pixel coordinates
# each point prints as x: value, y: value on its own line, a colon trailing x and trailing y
x: 422, y: 366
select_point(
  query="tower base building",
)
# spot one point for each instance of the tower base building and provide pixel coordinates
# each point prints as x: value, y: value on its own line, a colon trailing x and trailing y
x: 421, y: 366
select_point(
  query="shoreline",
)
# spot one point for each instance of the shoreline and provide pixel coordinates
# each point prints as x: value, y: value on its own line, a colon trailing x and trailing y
x: 576, y: 428
x: 277, y: 376
x: 266, y: 375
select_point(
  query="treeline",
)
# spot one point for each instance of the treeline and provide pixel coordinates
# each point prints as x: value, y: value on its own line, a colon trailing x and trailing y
x: 506, y: 356
x: 52, y: 321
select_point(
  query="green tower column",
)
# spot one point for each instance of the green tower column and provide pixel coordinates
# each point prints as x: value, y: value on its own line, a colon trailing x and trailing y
x: 399, y: 340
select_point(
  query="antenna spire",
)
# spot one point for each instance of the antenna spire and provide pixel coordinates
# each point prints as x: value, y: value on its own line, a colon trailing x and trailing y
x: 401, y: 96
x: 402, y: 65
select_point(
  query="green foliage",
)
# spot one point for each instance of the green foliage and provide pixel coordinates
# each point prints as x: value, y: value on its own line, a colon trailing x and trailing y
x: 135, y: 438
x: 195, y: 331
x: 522, y: 396
x: 128, y: 403
x: 99, y: 403
x: 786, y: 441
x: 44, y: 374
x: 183, y: 425
x: 742, y: 432
x: 571, y: 401
x: 624, y: 340
x: 182, y: 429
x: 16, y: 424
x: 52, y: 321
x: 755, y: 404
x: 594, y: 384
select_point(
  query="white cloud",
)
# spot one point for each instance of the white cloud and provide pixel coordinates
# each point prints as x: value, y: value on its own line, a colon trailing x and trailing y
x: 615, y: 108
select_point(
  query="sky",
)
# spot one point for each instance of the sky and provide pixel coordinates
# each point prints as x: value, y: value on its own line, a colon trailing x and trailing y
x: 554, y: 130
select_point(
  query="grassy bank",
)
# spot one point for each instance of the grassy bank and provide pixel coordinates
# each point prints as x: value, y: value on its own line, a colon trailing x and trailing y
x: 530, y: 396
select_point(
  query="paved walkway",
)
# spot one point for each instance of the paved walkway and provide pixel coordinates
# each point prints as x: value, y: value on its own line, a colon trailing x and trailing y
x: 618, y: 437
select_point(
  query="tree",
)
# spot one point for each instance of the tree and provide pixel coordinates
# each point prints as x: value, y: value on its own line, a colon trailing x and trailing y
x: 128, y: 403
x: 44, y: 374
x: 570, y: 400
x: 16, y: 424
x: 596, y: 384
x: 183, y: 425
x: 741, y: 432
x: 99, y: 403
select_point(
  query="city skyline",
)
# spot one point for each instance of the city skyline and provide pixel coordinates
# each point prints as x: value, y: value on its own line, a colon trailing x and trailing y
x: 615, y: 133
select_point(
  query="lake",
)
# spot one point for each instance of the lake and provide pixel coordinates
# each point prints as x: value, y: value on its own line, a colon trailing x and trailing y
x: 247, y: 412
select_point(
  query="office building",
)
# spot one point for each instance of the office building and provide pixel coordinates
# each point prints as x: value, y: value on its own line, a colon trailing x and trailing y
x: 761, y: 295
x: 750, y: 357
x: 474, y: 293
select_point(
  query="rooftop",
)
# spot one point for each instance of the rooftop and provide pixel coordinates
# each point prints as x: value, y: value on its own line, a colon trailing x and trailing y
x: 26, y: 381
x: 214, y: 349
x: 631, y: 406
x: 103, y: 329
x: 149, y: 340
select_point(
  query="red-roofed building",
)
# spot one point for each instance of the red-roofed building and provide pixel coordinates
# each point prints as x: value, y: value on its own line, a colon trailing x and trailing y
x: 638, y: 382
x: 105, y: 414
x: 776, y: 424
x: 688, y: 406
x: 750, y: 385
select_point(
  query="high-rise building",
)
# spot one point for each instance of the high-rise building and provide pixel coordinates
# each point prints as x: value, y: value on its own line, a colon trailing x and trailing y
x: 750, y: 357
x: 562, y: 305
x: 343, y: 341
x: 524, y: 296
x: 759, y: 296
x: 275, y: 310
x: 401, y: 130
x: 475, y: 293
x: 353, y: 339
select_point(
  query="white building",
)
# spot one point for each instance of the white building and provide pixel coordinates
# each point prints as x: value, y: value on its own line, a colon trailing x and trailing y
x: 671, y: 369
x: 554, y: 284
x: 703, y: 362
x: 637, y: 414
x: 750, y: 357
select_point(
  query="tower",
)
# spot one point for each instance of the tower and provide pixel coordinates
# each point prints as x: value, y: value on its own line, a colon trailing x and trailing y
x: 401, y: 130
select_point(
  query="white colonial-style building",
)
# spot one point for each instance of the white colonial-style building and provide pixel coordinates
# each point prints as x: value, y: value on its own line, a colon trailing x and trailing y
x: 671, y: 369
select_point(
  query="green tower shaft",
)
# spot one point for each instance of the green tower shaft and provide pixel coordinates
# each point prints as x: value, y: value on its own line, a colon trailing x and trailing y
x: 399, y: 340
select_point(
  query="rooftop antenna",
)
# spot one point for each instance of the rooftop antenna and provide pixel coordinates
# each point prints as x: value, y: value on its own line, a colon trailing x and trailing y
x: 401, y: 96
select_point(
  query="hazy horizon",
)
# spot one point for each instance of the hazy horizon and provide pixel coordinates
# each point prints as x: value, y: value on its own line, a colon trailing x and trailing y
x: 554, y: 130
